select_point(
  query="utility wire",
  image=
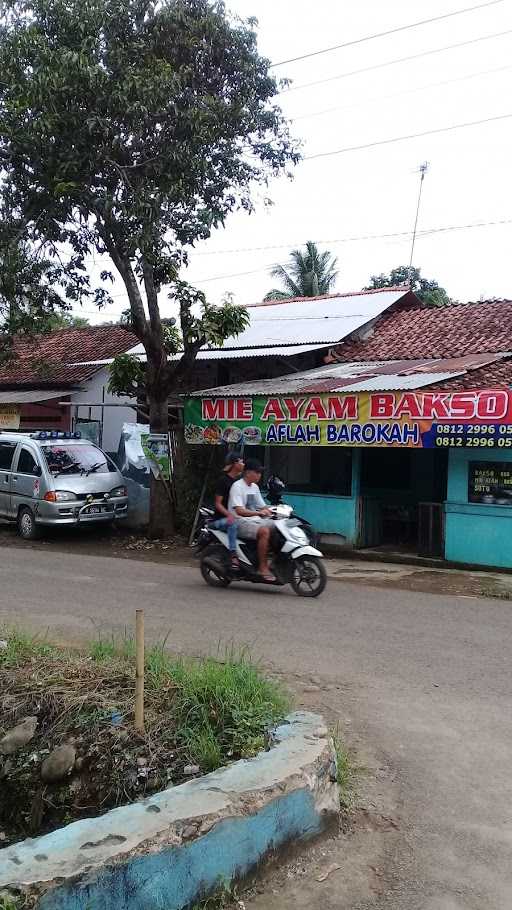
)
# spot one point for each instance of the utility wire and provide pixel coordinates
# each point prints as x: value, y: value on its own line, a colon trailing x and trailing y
x: 399, y: 234
x: 391, y: 31
x: 407, y: 91
x: 441, y: 129
x: 377, y: 66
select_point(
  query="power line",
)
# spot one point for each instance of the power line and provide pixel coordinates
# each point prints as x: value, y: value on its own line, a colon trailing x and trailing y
x: 377, y: 66
x: 441, y: 129
x: 391, y: 31
x: 294, y: 243
x: 398, y: 234
x: 407, y: 91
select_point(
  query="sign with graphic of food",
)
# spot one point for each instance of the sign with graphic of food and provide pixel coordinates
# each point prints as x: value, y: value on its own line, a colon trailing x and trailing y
x: 428, y: 420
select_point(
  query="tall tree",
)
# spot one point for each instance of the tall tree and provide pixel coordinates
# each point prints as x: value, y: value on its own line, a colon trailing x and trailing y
x: 132, y: 128
x: 35, y: 293
x: 308, y: 274
x: 428, y: 291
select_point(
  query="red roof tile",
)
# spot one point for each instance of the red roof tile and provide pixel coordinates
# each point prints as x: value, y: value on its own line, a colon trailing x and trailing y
x: 449, y: 331
x: 51, y: 360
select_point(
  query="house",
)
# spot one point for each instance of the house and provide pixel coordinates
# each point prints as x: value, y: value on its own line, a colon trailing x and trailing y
x: 51, y: 379
x: 401, y: 441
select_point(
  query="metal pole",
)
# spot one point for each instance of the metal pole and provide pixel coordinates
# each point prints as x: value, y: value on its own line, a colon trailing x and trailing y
x: 423, y: 171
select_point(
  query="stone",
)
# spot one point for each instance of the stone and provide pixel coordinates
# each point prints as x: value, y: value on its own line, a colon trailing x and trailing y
x: 188, y: 770
x: 59, y: 764
x: 3, y: 644
x: 18, y: 737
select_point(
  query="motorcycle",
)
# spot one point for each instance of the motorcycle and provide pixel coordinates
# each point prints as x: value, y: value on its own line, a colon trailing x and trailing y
x: 294, y: 560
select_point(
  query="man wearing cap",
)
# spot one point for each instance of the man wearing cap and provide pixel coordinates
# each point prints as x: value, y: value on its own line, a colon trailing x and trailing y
x: 224, y: 519
x: 246, y: 501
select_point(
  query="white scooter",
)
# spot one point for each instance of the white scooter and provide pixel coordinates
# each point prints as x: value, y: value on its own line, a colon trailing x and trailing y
x: 294, y: 560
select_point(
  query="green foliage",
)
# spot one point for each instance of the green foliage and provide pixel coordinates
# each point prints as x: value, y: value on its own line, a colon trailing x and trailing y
x: 429, y: 292
x: 126, y: 375
x: 149, y: 124
x: 21, y: 647
x: 308, y: 274
x: 346, y: 771
x: 107, y: 649
x: 222, y: 707
x: 9, y: 902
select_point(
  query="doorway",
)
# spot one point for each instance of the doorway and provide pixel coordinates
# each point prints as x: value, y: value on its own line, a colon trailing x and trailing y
x: 402, y: 500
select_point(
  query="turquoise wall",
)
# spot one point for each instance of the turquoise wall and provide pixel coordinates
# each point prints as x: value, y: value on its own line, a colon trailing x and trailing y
x: 332, y: 514
x: 476, y: 533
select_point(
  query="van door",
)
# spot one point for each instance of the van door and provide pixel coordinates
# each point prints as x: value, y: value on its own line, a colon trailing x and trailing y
x: 25, y: 480
x: 6, y: 458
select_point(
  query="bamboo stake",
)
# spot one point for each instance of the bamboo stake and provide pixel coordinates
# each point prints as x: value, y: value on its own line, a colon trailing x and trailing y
x: 139, y: 672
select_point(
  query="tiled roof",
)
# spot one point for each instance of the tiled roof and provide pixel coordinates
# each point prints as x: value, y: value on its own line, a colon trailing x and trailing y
x: 493, y: 376
x: 450, y: 331
x: 57, y: 359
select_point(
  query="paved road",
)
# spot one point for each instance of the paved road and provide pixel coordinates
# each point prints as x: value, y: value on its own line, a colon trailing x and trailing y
x: 425, y: 677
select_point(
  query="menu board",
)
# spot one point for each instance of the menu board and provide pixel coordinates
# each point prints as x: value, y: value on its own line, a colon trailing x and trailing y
x: 490, y: 482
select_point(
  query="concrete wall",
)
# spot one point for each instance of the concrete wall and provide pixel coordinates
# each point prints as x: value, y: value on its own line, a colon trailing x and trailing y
x: 175, y: 848
x: 95, y: 389
x: 475, y: 532
x: 332, y: 514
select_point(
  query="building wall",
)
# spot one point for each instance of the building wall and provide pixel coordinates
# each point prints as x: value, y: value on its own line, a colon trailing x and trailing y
x: 476, y: 533
x: 336, y: 515
x: 112, y: 419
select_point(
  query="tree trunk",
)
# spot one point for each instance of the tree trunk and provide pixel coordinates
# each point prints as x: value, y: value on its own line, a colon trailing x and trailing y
x: 161, y: 511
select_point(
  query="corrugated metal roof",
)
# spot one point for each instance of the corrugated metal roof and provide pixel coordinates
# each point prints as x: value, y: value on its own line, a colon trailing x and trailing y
x: 355, y: 377
x: 395, y: 382
x: 221, y: 354
x: 322, y: 320
x: 31, y: 396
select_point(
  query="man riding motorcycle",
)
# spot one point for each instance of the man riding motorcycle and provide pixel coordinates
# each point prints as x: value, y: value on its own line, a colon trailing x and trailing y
x: 224, y: 519
x: 254, y: 517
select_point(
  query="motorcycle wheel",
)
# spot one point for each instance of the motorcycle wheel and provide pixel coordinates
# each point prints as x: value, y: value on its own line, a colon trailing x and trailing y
x: 309, y: 577
x: 211, y: 578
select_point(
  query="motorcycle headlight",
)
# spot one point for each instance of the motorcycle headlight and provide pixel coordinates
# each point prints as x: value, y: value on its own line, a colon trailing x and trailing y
x: 119, y: 491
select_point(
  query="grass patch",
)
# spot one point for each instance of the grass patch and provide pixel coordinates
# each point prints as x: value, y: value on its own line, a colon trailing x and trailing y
x: 21, y: 647
x: 346, y: 771
x: 222, y: 899
x: 222, y: 707
x: 197, y: 712
x: 7, y: 902
x: 105, y: 649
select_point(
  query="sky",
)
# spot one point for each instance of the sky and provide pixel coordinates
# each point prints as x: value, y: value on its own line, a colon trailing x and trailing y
x: 338, y: 199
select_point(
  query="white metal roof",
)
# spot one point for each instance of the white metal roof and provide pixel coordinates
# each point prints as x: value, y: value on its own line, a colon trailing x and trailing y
x: 30, y: 396
x: 321, y: 320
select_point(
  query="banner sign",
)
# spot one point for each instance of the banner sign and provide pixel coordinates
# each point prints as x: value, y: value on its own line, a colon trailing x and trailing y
x: 9, y: 417
x: 426, y: 420
x: 156, y: 450
x: 490, y: 482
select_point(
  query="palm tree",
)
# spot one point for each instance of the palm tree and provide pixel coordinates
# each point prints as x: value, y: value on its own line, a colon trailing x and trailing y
x: 309, y: 274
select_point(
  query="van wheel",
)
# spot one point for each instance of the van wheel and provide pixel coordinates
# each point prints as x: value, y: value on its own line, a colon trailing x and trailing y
x: 27, y: 527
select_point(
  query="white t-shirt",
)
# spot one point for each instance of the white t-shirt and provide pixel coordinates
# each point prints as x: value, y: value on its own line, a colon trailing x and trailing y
x: 246, y: 495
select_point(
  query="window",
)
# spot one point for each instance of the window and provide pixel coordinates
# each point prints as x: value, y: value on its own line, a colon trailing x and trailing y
x: 27, y: 463
x: 6, y: 455
x: 313, y: 469
x: 79, y: 458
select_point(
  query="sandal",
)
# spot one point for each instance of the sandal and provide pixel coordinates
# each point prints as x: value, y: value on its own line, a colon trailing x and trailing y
x: 269, y: 579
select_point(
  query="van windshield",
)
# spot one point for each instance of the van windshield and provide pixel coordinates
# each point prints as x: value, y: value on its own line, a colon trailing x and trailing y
x: 77, y: 459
